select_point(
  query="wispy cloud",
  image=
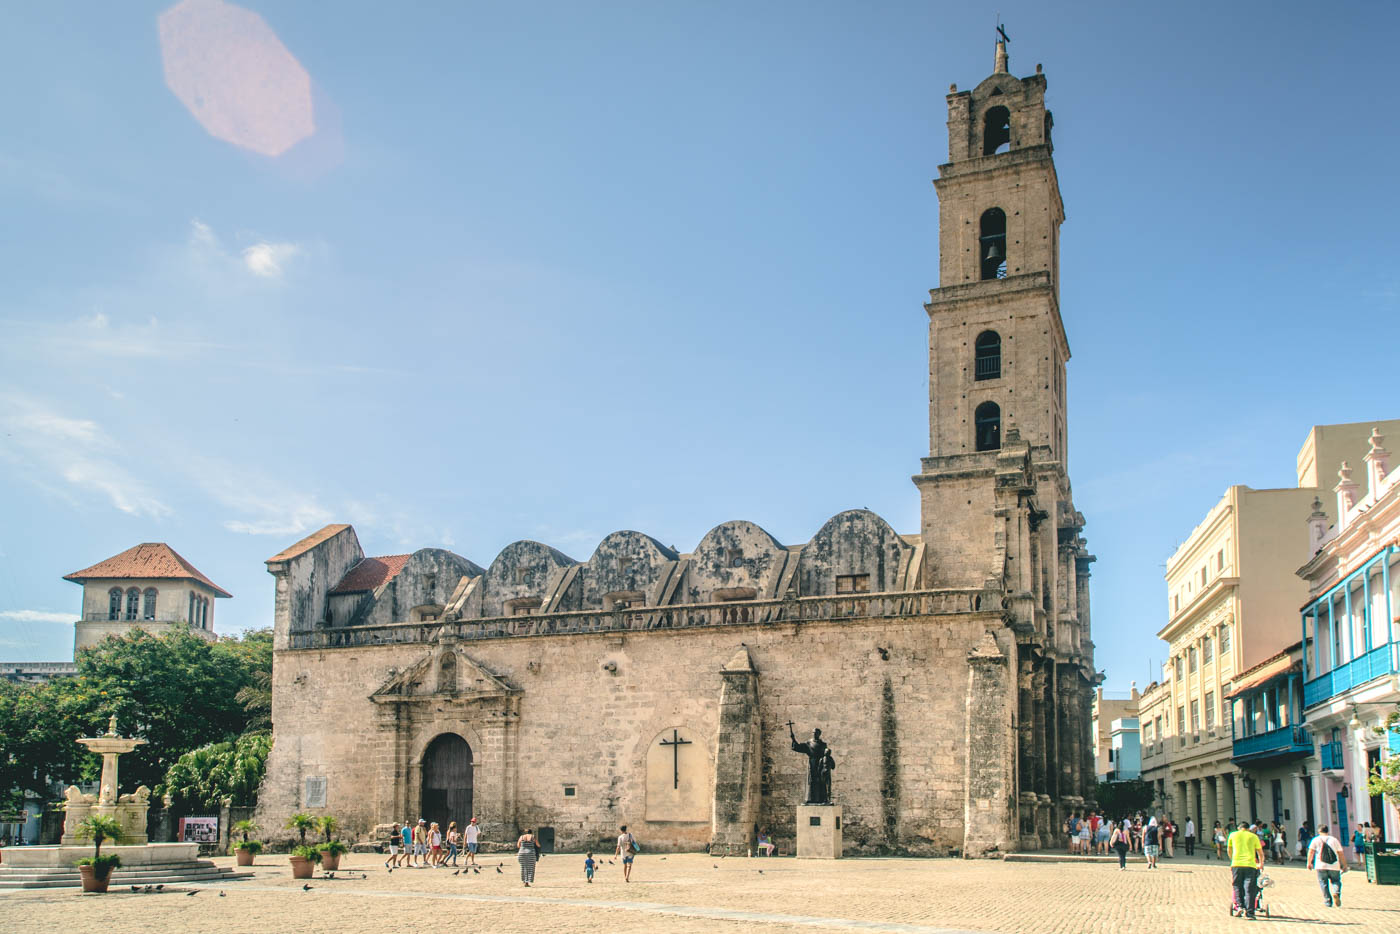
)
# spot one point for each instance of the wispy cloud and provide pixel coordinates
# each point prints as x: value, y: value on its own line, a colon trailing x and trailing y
x: 36, y: 616
x: 263, y: 505
x: 47, y: 444
x: 267, y: 259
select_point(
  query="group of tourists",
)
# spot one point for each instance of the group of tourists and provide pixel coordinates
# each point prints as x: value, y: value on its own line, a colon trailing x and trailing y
x: 1094, y: 834
x: 424, y: 846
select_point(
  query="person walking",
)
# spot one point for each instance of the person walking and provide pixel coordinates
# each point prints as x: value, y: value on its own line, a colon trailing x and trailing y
x: 588, y: 867
x: 393, y: 842
x: 454, y: 843
x: 527, y: 852
x: 1358, y: 843
x: 472, y: 837
x: 1151, y: 845
x: 1190, y: 836
x: 1101, y: 838
x: 1329, y: 858
x: 1246, y: 859
x: 1119, y: 841
x: 1168, y: 835
x: 1217, y: 839
x: 407, y: 858
x: 626, y: 848
x: 1281, y: 844
x: 435, y: 857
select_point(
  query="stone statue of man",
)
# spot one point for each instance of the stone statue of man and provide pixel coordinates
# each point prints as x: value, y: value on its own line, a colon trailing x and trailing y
x: 820, y: 764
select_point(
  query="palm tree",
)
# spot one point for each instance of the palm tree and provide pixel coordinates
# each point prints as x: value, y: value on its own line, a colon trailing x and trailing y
x: 328, y: 825
x: 301, y: 823
x: 98, y: 827
x: 245, y: 829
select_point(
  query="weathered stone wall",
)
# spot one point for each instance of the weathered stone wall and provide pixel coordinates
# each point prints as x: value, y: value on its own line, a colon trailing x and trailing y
x: 304, y: 578
x: 854, y: 542
x: 428, y: 578
x: 889, y: 694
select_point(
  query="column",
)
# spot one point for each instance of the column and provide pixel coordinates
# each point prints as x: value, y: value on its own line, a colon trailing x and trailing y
x: 1181, y: 799
x: 988, y: 818
x: 1227, y: 788
x: 1025, y: 731
x: 1211, y: 811
x: 1039, y: 731
x: 738, y: 758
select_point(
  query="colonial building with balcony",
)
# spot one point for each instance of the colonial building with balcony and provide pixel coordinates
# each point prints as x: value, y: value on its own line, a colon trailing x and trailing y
x: 148, y: 586
x: 1231, y: 595
x: 1351, y: 640
x: 1270, y: 741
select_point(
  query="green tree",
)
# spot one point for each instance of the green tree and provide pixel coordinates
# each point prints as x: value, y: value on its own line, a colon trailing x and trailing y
x: 39, y: 726
x: 204, y: 778
x: 1119, y: 799
x: 176, y: 690
x: 1385, y: 777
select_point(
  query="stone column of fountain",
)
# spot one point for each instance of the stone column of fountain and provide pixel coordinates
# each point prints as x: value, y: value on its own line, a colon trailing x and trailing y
x: 128, y: 810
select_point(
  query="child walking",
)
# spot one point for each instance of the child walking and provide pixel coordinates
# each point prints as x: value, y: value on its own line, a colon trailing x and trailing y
x: 588, y: 866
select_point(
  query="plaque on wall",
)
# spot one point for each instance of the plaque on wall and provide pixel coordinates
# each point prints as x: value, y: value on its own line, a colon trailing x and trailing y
x: 315, y: 792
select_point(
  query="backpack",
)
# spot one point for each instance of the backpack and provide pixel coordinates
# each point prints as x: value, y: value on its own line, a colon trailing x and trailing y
x: 1328, y: 856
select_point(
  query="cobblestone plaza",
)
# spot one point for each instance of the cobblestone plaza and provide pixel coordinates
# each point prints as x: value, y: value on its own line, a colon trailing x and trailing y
x: 693, y: 893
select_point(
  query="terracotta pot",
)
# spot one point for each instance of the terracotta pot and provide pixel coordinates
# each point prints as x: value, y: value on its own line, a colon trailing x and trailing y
x: 330, y: 863
x: 90, y: 881
x: 302, y: 867
x: 245, y: 857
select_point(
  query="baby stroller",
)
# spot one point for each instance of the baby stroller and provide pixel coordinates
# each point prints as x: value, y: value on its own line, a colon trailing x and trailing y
x: 1259, y: 907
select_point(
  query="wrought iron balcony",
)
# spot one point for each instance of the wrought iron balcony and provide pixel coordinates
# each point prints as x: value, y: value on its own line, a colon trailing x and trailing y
x: 1374, y: 664
x: 1288, y: 742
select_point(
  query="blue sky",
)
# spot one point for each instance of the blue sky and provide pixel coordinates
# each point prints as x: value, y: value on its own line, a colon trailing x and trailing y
x: 548, y: 270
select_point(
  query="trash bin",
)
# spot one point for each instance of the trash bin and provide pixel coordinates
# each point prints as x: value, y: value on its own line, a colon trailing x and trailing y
x: 1383, y: 863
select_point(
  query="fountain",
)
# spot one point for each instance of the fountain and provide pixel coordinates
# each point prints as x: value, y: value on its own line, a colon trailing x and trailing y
x: 128, y: 810
x: 141, y: 861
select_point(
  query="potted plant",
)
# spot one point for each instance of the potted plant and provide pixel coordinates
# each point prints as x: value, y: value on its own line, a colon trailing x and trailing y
x: 96, y: 870
x: 304, y: 858
x: 248, y: 848
x: 330, y: 848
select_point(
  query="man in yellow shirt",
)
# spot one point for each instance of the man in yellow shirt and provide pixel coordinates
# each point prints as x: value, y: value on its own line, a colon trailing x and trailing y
x: 1246, y: 859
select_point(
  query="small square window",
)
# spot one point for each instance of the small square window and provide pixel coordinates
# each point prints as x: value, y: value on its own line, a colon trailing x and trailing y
x: 814, y: 821
x: 570, y: 791
x: 853, y: 583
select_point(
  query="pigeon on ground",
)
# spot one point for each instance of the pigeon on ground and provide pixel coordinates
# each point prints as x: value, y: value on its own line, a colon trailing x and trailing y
x: 306, y: 887
x: 161, y: 886
x: 457, y: 872
x: 498, y: 869
x: 760, y: 872
x: 611, y: 863
x: 476, y: 870
x: 192, y: 893
x: 716, y: 865
x: 222, y: 894
x: 136, y: 888
x: 391, y: 870
x: 150, y: 889
x: 330, y: 875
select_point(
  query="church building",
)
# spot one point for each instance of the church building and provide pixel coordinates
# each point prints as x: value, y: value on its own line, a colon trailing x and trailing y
x: 950, y: 670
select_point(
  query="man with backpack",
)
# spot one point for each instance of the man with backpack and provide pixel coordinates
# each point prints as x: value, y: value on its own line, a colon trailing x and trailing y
x: 627, y: 848
x: 1325, y: 854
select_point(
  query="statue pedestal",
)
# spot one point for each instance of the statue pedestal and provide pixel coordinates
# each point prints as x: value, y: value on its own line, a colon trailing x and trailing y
x: 819, y: 831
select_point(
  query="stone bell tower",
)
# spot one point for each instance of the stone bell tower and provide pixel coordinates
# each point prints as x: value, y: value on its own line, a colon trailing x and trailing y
x: 997, y: 510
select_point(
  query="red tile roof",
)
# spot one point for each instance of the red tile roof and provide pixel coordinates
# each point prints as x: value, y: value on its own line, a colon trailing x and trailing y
x: 307, y: 543
x: 150, y: 559
x: 370, y: 573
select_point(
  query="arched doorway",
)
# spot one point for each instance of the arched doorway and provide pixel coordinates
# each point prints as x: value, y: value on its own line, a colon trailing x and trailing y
x: 447, y: 781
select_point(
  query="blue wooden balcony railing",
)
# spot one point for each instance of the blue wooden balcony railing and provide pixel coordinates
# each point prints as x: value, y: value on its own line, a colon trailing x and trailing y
x: 1331, y: 755
x: 1288, y: 741
x: 1373, y: 664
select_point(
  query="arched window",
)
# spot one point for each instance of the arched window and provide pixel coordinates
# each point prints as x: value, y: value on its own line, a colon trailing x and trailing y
x: 988, y: 356
x: 988, y: 422
x: 993, y: 244
x: 203, y: 612
x: 149, y: 599
x: 190, y: 618
x: 133, y: 604
x: 114, y: 603
x: 996, y: 131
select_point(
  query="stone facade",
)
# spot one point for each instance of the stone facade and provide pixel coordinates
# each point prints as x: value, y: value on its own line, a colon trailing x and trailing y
x: 951, y: 671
